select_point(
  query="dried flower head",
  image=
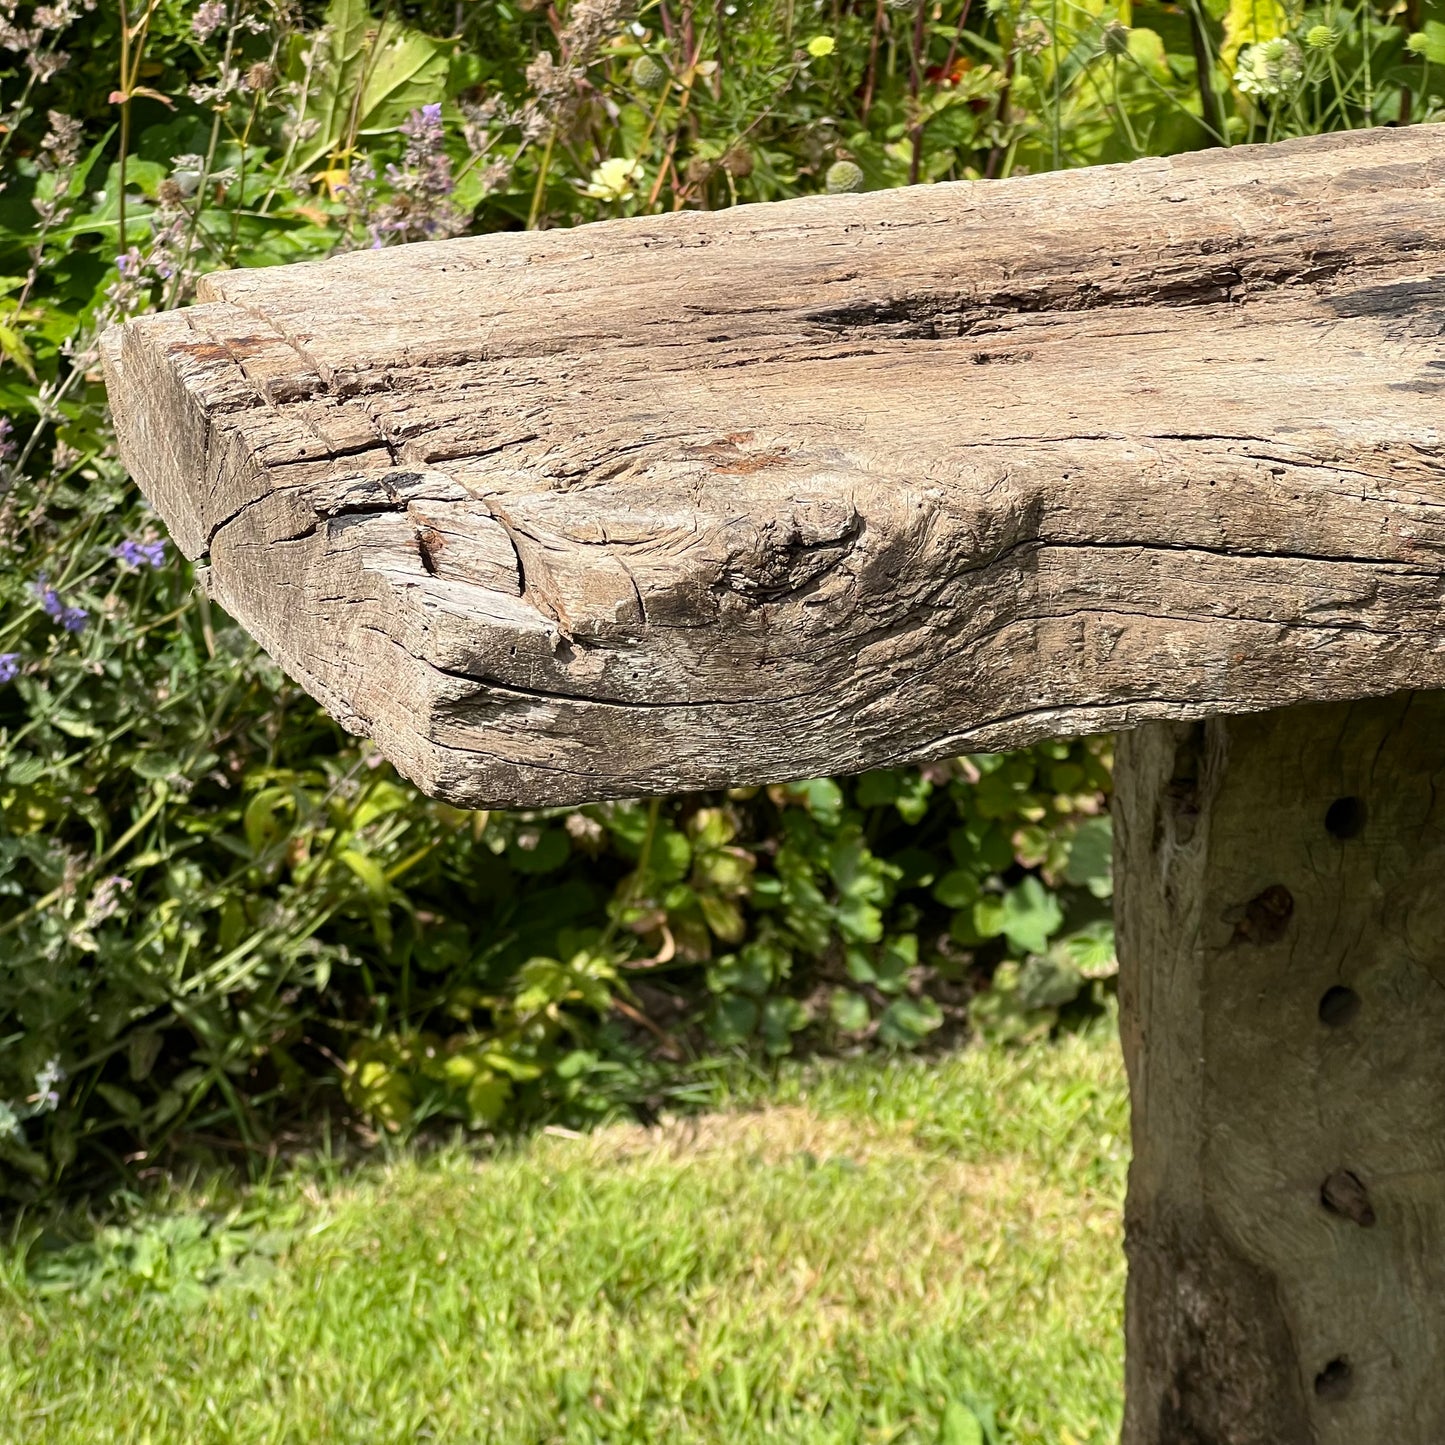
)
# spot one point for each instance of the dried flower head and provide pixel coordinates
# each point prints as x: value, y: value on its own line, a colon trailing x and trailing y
x: 208, y: 19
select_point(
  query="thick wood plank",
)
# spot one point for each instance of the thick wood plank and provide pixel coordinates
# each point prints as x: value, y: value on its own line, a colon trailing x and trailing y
x: 1283, y: 994
x: 834, y: 483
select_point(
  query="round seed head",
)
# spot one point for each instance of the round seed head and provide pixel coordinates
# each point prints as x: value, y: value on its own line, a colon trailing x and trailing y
x: 647, y: 74
x: 738, y: 163
x: 1115, y: 39
x: 842, y: 177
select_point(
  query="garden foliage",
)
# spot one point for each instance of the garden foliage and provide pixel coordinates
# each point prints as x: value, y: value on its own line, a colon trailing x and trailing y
x: 213, y: 904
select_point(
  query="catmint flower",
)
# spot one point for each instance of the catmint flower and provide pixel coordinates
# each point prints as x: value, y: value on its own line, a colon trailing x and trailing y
x: 1270, y: 69
x: 208, y: 19
x: 105, y: 901
x: 7, y: 442
x: 72, y: 619
x: 129, y: 263
x: 47, y: 1096
x: 9, y: 667
x: 140, y: 554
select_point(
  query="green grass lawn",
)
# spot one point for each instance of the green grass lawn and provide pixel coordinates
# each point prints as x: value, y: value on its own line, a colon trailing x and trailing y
x: 872, y: 1251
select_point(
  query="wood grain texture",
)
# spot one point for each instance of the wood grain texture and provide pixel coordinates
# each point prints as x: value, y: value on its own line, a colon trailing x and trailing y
x: 834, y: 483
x: 1282, y: 946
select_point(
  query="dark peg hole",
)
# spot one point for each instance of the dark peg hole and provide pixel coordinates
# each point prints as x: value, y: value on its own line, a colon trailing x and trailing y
x: 1344, y: 1193
x: 1345, y: 818
x: 1333, y: 1382
x: 1339, y: 1006
x: 1265, y: 918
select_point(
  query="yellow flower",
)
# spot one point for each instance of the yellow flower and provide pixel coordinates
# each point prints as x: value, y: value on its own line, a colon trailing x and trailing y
x: 821, y: 45
x: 615, y: 179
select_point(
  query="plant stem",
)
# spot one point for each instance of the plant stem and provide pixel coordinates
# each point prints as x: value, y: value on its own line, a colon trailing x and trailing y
x: 1209, y: 105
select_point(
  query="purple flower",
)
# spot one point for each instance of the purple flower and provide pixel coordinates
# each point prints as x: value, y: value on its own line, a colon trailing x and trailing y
x: 48, y: 598
x: 128, y: 263
x: 9, y: 667
x: 72, y: 619
x: 141, y: 554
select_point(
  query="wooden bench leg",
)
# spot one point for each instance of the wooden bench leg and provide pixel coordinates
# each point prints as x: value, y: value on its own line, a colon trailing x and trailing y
x: 1281, y: 902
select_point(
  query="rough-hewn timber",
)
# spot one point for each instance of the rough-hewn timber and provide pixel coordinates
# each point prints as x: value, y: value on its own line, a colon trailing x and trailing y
x: 702, y: 499
x: 1282, y: 936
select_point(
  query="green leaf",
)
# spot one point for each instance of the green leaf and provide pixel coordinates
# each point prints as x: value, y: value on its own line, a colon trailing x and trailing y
x: 487, y: 1097
x: 369, y: 871
x: 958, y: 888
x: 896, y: 960
x: 822, y: 797
x: 1432, y: 44
x: 1029, y: 914
x: 848, y: 1010
x: 906, y: 1022
x: 782, y: 1018
x: 876, y: 790
x: 551, y: 850
x: 260, y: 821
x: 670, y: 855
x: 1091, y: 949
x: 122, y: 1101
x: 723, y: 917
x: 732, y: 1018
x: 1091, y: 857
x: 1048, y: 981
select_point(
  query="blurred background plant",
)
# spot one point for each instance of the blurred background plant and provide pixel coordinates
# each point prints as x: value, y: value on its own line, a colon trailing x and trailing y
x: 221, y: 919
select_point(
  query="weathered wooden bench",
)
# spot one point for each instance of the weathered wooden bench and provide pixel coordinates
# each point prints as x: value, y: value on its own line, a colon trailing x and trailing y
x: 697, y: 500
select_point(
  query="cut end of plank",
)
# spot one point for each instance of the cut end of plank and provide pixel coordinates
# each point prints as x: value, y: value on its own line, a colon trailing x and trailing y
x: 830, y: 484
